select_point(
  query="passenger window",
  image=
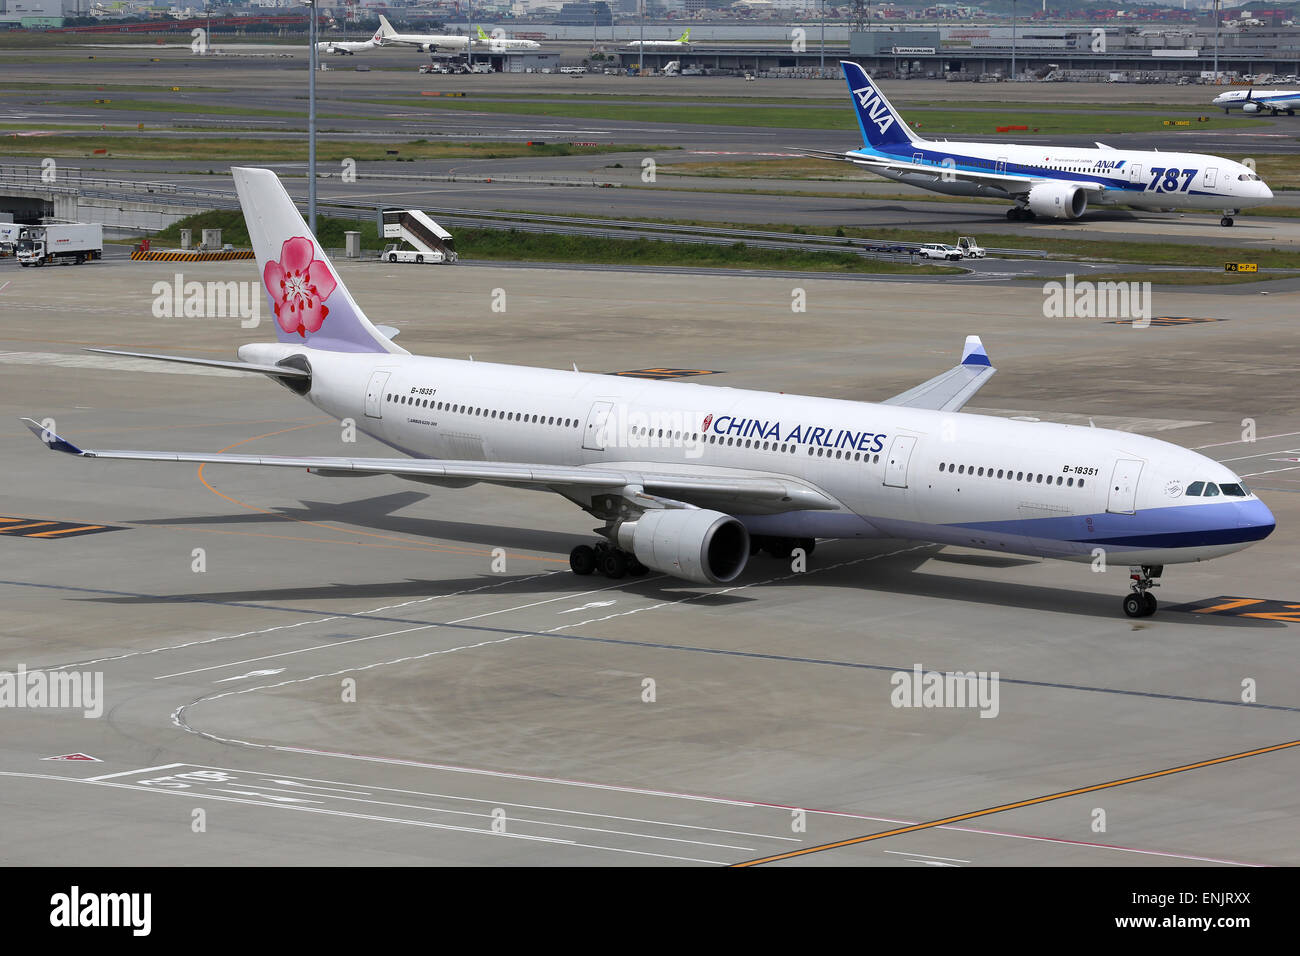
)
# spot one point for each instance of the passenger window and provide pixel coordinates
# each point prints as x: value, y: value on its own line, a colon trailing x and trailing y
x: 1195, y: 489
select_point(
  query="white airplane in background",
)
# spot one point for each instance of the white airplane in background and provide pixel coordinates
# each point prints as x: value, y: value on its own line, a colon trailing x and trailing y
x: 498, y: 42
x: 1054, y: 181
x: 690, y: 480
x: 1255, y: 101
x: 350, y: 47
x: 428, y: 42
x: 682, y: 41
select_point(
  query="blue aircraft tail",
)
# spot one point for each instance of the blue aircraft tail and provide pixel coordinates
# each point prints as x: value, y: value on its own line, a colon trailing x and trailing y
x: 881, y: 125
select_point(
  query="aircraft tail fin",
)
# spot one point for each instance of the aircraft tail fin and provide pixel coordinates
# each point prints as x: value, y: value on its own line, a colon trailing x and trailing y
x: 685, y: 37
x: 482, y: 34
x: 308, y: 299
x: 880, y: 123
x: 386, y: 28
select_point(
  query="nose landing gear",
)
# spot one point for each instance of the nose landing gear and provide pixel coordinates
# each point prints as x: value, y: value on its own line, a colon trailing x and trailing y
x: 1141, y: 602
x: 1227, y: 217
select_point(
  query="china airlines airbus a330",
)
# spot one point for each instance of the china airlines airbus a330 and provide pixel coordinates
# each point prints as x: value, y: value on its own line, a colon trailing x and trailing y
x: 690, y: 480
x: 1058, y: 182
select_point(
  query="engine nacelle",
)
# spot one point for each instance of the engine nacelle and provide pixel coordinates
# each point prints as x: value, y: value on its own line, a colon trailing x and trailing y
x: 1058, y: 200
x: 429, y: 47
x: 707, y: 547
x: 1250, y: 106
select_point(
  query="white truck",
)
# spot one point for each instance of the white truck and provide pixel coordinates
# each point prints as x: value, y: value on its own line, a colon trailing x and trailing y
x: 970, y: 248
x: 74, y: 242
x: 423, y: 239
x: 8, y: 238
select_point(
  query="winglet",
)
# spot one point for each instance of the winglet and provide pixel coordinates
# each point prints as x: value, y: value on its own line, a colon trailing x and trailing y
x: 53, y: 441
x: 974, y: 353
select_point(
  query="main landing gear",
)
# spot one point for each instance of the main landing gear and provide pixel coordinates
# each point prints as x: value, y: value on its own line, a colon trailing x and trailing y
x: 1019, y: 213
x: 1141, y: 602
x: 608, y: 560
x: 1227, y: 217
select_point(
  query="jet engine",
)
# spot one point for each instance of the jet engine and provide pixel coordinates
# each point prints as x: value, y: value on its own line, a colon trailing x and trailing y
x: 707, y: 547
x: 1058, y: 200
x: 1250, y: 106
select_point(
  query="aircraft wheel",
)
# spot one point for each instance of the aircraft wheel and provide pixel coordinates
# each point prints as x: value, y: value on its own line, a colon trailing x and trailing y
x: 582, y: 559
x: 809, y: 545
x: 613, y: 564
x: 1151, y: 603
x: 1134, y: 605
x: 1225, y: 221
x: 635, y: 567
x: 1014, y: 213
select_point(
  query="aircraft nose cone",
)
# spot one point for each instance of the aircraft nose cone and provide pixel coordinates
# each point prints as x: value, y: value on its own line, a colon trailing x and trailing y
x: 1255, y: 517
x: 1265, y: 191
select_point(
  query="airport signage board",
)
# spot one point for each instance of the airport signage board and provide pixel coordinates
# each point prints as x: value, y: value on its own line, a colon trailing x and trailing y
x: 1241, y: 267
x: 912, y: 50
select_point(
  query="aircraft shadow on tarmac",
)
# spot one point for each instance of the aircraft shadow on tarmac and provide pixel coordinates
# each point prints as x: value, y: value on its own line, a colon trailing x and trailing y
x: 895, y: 574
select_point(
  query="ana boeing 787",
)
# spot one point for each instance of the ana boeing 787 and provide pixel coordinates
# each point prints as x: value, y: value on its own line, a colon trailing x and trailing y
x: 1058, y: 182
x: 690, y: 480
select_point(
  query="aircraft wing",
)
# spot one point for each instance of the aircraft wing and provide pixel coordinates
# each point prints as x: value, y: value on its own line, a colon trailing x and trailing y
x: 954, y: 388
x: 738, y: 491
x: 1011, y: 183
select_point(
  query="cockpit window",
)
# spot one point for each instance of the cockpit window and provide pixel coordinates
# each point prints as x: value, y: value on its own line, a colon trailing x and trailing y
x: 1234, y: 491
x: 1196, y: 489
x: 1249, y: 178
x: 1211, y: 490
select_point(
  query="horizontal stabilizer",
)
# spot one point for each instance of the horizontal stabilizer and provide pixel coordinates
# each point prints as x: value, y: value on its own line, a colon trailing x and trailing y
x: 280, y: 371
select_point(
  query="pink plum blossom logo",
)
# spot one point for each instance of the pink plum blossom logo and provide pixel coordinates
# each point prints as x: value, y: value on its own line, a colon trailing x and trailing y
x: 299, y: 285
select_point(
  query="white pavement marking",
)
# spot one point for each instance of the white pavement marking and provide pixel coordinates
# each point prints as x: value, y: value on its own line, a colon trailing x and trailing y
x: 128, y: 773
x: 286, y: 627
x: 1256, y: 474
x: 1245, y: 441
x: 948, y: 859
x: 363, y: 816
x: 405, y: 630
x: 270, y: 672
x: 1261, y: 454
x: 584, y: 607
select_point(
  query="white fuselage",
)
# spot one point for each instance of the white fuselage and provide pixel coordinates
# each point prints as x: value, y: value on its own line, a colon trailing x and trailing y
x: 429, y: 41
x: 1031, y: 488
x: 1141, y: 178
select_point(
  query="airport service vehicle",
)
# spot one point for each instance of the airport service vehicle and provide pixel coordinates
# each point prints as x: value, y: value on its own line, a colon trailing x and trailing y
x: 689, y: 480
x: 1057, y: 182
x: 427, y: 42
x: 481, y: 68
x: 498, y: 42
x: 8, y: 238
x: 351, y: 48
x: 970, y: 248
x: 427, y: 241
x: 938, y: 250
x: 574, y: 70
x: 73, y: 242
x: 1256, y: 101
x: 681, y: 42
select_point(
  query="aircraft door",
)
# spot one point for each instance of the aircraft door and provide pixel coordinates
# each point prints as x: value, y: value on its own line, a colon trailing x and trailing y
x: 900, y: 453
x: 375, y: 393
x: 1122, y: 499
x: 593, y: 434
x: 1211, y: 174
x: 916, y: 159
x: 1002, y: 164
x: 1135, y: 173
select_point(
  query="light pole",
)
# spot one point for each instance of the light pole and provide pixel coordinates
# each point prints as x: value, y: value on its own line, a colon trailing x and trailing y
x: 640, y: 55
x: 311, y: 119
x: 1013, y: 39
x: 1216, y: 41
x: 823, y: 67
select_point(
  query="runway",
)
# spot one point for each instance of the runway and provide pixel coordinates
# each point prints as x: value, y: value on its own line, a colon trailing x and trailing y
x: 381, y: 673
